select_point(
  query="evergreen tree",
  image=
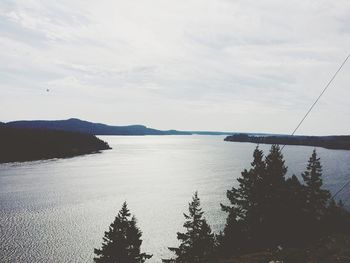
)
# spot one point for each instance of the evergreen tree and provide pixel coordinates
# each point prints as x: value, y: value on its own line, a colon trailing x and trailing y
x: 267, y: 210
x: 258, y: 211
x: 244, y: 212
x: 295, y: 224
x: 274, y: 198
x: 316, y: 197
x: 198, y: 243
x: 337, y: 219
x: 121, y: 244
x: 231, y: 240
x: 274, y: 179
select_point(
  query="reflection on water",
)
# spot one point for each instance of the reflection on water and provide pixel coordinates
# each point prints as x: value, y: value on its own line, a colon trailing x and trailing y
x: 58, y: 210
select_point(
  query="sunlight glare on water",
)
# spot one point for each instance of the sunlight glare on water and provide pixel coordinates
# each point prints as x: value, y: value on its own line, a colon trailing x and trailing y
x: 58, y: 210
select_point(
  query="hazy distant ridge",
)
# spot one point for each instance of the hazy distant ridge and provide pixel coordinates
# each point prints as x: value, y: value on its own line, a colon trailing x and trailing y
x: 76, y: 125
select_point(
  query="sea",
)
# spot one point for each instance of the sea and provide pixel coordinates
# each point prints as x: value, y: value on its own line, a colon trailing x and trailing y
x: 57, y: 210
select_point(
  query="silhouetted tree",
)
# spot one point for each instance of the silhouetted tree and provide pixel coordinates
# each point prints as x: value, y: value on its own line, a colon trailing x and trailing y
x: 198, y: 242
x: 267, y: 210
x: 121, y: 244
x: 260, y: 197
x: 262, y: 205
x: 275, y: 194
x: 316, y: 197
x: 245, y: 209
x: 337, y: 219
x: 231, y: 240
x: 295, y: 225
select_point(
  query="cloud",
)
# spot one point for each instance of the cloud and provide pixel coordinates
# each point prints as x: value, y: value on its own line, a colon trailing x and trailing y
x: 233, y: 65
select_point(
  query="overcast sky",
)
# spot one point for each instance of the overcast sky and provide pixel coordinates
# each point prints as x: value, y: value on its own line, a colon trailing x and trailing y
x: 226, y: 65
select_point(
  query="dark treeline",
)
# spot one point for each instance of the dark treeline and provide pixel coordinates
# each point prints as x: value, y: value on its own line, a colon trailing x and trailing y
x: 268, y: 211
x: 269, y: 217
x: 330, y: 142
x: 18, y: 145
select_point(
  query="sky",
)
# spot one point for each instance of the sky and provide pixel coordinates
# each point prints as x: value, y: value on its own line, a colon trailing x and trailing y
x: 224, y: 65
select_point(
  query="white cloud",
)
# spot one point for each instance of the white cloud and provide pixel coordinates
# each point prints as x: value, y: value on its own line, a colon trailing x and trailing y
x: 194, y: 64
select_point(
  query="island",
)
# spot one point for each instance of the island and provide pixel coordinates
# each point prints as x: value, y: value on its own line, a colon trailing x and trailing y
x: 21, y: 144
x: 341, y: 142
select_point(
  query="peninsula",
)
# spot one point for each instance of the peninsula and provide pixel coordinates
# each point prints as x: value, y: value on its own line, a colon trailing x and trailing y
x: 20, y: 144
x: 330, y: 142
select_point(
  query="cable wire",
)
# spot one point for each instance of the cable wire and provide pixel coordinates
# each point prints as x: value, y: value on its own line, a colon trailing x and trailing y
x: 310, y: 109
x: 341, y: 189
x: 319, y: 97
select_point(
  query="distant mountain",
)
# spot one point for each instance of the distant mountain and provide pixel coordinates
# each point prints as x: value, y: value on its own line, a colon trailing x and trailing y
x: 329, y: 142
x: 76, y: 125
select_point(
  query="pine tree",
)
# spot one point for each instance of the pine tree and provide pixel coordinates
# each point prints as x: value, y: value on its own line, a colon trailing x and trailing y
x: 274, y: 210
x: 198, y: 243
x: 275, y: 171
x: 295, y: 227
x: 121, y: 244
x: 244, y: 212
x: 232, y: 240
x: 267, y: 210
x: 258, y: 209
x: 337, y: 219
x: 316, y: 197
x: 247, y: 195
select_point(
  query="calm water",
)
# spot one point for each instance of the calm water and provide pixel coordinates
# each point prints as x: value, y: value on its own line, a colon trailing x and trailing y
x: 58, y: 210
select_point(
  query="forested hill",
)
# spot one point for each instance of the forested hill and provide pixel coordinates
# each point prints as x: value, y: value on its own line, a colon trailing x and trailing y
x: 76, y: 125
x: 35, y: 144
x: 329, y: 142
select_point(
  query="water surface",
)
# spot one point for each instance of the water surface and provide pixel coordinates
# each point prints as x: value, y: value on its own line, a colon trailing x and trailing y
x: 58, y: 210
